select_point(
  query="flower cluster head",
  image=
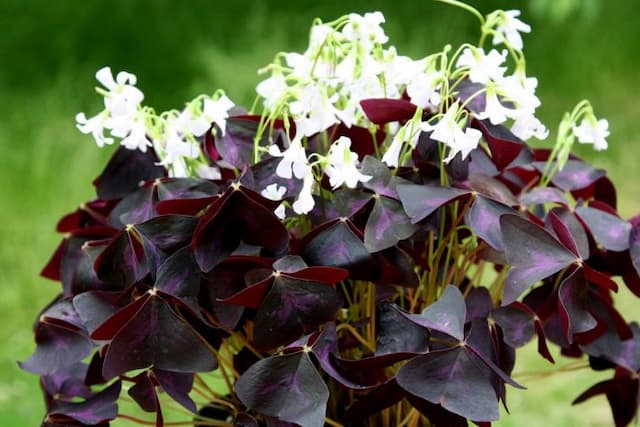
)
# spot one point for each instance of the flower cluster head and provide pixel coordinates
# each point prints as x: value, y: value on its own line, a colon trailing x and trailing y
x: 375, y: 230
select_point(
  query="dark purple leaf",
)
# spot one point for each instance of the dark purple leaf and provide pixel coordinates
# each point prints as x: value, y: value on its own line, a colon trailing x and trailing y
x: 543, y: 195
x: 396, y: 333
x: 240, y: 215
x: 473, y: 95
x: 518, y: 324
x: 492, y: 189
x: 625, y: 353
x: 575, y: 175
x: 338, y: 245
x: 384, y: 110
x: 185, y: 188
x: 573, y: 297
x: 177, y: 385
x: 57, y: 347
x: 136, y: 207
x: 168, y: 232
x: 569, y: 231
x: 95, y: 307
x: 287, y: 387
x: 436, y: 414
x: 387, y: 225
x: 124, y: 172
x: 65, y: 384
x: 609, y: 231
x: 478, y: 303
x: 453, y: 378
x: 325, y: 349
x: 447, y: 314
x: 153, y: 336
x: 420, y: 201
x: 505, y: 146
x: 484, y: 219
x: 227, y: 279
x: 144, y: 392
x: 533, y: 253
x: 382, y: 181
x: 236, y: 146
x: 383, y: 396
x: 122, y: 262
x: 95, y: 410
x: 291, y: 308
x: 634, y: 247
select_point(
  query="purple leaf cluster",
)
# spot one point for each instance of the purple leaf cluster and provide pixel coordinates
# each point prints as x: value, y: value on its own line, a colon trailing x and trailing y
x: 373, y: 302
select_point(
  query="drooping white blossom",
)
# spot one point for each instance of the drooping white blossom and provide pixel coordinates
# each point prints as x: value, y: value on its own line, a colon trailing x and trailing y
x: 136, y: 138
x: 342, y: 165
x: 527, y: 125
x: 95, y: 126
x: 216, y: 111
x: 593, y: 132
x: 483, y: 68
x: 365, y: 29
x: 122, y: 97
x: 275, y: 192
x: 448, y: 131
x: 509, y: 28
x: 305, y: 203
x: 495, y: 111
x: 294, y: 160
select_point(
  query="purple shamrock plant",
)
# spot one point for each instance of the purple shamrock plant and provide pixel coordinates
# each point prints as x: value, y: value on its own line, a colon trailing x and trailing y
x: 369, y: 245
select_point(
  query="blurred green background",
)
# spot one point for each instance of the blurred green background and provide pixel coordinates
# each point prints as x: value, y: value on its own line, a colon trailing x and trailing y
x: 49, y: 52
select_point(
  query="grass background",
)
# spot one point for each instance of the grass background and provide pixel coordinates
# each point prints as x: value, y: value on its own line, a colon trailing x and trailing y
x: 49, y: 54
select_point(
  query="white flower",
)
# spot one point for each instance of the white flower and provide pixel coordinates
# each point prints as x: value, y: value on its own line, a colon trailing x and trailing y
x: 122, y: 98
x: 482, y: 68
x: 521, y: 90
x: 449, y: 132
x: 406, y: 134
x: 313, y: 111
x: 217, y: 111
x: 392, y: 156
x: 527, y: 126
x: 95, y: 126
x: 592, y: 132
x: 275, y: 192
x: 365, y: 29
x: 294, y: 159
x: 342, y: 167
x: 305, y: 203
x: 509, y: 29
x: 494, y: 110
x: 136, y: 138
x: 272, y: 89
x: 423, y: 89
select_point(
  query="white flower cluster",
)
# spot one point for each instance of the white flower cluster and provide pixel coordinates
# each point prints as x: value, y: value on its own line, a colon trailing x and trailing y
x: 345, y: 63
x: 173, y: 135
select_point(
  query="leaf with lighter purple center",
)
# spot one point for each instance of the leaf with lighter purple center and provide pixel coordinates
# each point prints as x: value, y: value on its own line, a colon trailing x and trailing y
x: 484, y: 219
x: 533, y: 253
x: 573, y: 298
x: 387, y: 225
x: 608, y: 230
